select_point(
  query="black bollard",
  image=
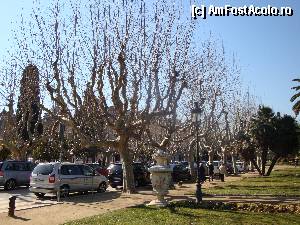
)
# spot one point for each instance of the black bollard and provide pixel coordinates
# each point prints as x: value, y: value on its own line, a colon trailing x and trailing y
x: 12, y: 206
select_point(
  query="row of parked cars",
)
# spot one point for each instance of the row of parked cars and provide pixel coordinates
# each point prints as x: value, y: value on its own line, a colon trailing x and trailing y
x: 69, y: 177
x: 240, y: 165
x: 51, y: 177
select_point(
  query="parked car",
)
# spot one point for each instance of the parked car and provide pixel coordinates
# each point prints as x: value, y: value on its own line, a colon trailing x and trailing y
x: 15, y: 173
x: 115, y: 174
x: 180, y: 172
x: 240, y: 166
x: 204, y: 163
x: 184, y: 163
x: 103, y: 171
x: 216, y: 167
x: 66, y: 177
x: 229, y: 168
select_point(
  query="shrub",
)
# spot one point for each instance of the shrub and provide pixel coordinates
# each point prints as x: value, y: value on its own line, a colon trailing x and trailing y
x: 252, y: 207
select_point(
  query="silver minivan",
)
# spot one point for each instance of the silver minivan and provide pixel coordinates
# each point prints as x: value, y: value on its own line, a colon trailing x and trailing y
x: 15, y: 173
x: 66, y: 178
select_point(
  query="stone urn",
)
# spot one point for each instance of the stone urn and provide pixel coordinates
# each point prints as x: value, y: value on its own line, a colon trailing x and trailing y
x: 160, y: 178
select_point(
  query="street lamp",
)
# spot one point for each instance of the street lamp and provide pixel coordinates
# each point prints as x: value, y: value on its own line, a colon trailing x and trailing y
x: 196, y: 113
x: 61, y: 139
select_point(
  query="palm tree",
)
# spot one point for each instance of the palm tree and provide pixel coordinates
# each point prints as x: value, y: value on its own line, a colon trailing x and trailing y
x: 296, y: 106
x: 262, y: 131
x: 286, y: 139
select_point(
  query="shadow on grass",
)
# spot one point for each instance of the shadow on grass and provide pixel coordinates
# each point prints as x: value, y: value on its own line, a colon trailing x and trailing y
x: 174, y: 210
x: 231, y: 186
x: 143, y: 206
x: 234, y: 175
x: 217, y: 187
x: 179, y: 198
x: 171, y: 208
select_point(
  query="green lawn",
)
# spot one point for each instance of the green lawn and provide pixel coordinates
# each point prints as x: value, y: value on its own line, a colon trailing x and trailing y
x: 284, y: 182
x: 186, y: 216
x: 280, y: 183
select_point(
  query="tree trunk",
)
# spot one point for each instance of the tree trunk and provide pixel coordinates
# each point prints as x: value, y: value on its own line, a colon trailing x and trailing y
x: 23, y: 152
x: 224, y: 159
x: 258, y: 160
x: 233, y: 158
x: 274, y: 160
x: 128, y: 176
x: 264, y: 161
x: 251, y: 167
x: 210, y: 156
x: 256, y: 166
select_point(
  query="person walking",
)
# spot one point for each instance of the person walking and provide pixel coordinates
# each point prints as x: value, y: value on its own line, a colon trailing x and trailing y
x: 222, y: 171
x: 201, y: 173
x: 211, y: 171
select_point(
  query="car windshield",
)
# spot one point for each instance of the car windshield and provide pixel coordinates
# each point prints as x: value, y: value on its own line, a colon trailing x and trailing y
x: 43, y: 169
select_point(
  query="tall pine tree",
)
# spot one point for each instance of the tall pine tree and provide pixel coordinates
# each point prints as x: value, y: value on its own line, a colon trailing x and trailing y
x: 28, y: 112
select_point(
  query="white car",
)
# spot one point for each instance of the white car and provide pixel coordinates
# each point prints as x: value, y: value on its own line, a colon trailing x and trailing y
x: 216, y: 166
x: 240, y: 166
x: 66, y: 178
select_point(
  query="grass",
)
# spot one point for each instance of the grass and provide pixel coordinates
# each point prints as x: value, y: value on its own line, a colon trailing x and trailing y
x: 182, y: 215
x: 284, y: 182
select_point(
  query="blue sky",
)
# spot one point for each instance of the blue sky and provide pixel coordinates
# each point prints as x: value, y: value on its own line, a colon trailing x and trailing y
x: 267, y: 48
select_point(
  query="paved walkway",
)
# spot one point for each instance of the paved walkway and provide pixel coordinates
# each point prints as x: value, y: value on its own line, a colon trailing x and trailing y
x: 26, y: 203
x: 76, y: 207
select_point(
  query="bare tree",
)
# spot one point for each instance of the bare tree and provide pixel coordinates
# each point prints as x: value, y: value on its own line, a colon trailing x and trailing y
x: 130, y: 59
x: 8, y: 87
x: 214, y: 81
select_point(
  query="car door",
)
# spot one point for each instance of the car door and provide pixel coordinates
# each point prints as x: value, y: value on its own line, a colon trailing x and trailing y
x: 10, y: 172
x: 72, y: 176
x: 89, y: 183
x: 17, y: 171
x: 65, y: 177
x: 28, y: 169
x: 23, y: 173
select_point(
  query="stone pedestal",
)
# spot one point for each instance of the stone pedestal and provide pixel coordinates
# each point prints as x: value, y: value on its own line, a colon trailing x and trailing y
x: 160, y: 179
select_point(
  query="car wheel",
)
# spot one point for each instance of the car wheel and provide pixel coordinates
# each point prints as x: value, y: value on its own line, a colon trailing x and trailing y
x: 64, y: 191
x: 39, y: 195
x: 102, y: 187
x: 10, y: 185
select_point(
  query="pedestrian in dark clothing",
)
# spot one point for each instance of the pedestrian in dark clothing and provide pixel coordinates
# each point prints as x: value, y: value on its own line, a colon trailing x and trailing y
x: 211, y: 171
x: 201, y: 173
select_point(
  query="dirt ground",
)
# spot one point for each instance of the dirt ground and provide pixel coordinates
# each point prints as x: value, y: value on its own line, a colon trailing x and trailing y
x: 76, y: 207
